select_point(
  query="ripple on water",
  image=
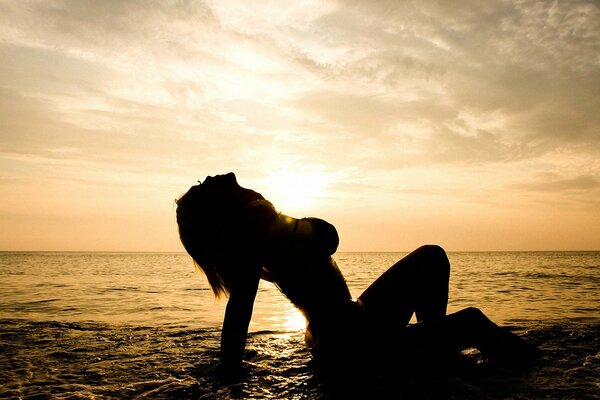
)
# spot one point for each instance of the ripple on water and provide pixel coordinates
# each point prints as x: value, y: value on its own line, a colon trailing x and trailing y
x: 79, y: 360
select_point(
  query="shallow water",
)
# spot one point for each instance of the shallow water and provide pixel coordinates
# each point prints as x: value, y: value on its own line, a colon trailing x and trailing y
x: 95, y: 360
x: 130, y: 325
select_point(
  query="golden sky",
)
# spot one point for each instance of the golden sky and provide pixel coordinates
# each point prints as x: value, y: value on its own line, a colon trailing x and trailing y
x: 471, y: 124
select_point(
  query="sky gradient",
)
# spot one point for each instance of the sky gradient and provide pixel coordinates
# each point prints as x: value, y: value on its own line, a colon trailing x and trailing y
x: 471, y: 124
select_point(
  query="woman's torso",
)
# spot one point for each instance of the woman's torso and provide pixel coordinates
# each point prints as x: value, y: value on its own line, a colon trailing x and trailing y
x: 312, y: 281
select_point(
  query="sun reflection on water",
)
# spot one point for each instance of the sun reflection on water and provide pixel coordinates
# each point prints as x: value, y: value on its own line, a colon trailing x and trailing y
x: 295, y: 320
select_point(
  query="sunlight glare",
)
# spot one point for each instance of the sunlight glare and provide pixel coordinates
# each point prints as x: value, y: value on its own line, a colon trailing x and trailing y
x: 296, y: 191
x: 295, y: 320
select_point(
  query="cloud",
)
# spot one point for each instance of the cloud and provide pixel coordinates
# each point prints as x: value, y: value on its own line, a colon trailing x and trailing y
x: 455, y: 77
x: 556, y: 184
x: 132, y: 142
x: 483, y: 82
x: 107, y: 26
x: 365, y: 115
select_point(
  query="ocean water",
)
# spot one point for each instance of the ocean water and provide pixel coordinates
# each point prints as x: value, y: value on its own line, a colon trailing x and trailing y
x: 145, y: 325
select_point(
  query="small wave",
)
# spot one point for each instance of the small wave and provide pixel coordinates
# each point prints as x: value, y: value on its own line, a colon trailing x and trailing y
x: 120, y: 289
x: 36, y: 302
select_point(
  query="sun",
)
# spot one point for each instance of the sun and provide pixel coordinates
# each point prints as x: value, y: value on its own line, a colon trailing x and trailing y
x: 296, y: 192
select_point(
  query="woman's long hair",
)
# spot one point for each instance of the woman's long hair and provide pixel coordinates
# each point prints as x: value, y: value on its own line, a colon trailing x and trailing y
x: 222, y: 230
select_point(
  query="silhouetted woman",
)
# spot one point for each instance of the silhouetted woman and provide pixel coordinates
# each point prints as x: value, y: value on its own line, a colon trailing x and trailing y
x: 237, y: 237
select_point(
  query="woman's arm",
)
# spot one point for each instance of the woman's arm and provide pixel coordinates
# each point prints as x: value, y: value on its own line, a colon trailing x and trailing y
x: 237, y: 318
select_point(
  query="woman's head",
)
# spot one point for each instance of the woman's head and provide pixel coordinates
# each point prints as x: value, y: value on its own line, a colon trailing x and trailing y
x: 221, y: 225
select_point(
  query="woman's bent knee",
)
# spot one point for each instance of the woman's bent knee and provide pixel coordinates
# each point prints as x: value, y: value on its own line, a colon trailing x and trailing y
x: 437, y: 257
x: 473, y: 314
x: 473, y: 311
x: 432, y: 250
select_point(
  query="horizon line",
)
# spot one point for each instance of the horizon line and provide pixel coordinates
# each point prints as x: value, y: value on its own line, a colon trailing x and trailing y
x: 338, y: 252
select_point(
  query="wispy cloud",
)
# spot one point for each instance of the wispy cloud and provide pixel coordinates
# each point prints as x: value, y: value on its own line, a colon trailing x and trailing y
x: 556, y: 184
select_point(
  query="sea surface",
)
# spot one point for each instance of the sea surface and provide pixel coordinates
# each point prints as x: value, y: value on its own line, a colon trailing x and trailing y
x: 145, y: 326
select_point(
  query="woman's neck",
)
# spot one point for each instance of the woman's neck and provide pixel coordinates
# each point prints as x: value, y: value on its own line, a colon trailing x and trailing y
x: 285, y: 230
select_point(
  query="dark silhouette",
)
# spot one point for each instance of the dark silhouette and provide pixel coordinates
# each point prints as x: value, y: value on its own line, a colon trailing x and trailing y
x: 237, y: 237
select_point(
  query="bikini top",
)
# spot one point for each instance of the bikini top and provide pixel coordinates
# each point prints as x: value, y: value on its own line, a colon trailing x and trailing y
x: 304, y: 271
x: 324, y: 239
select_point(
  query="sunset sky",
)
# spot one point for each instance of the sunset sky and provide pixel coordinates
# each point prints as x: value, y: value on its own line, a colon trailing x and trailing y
x: 471, y: 124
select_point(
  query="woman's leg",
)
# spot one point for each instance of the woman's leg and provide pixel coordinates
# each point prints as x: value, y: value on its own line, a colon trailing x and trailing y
x: 465, y: 329
x: 418, y: 283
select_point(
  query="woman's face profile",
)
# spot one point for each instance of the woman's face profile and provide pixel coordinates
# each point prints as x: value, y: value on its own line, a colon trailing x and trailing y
x: 227, y: 185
